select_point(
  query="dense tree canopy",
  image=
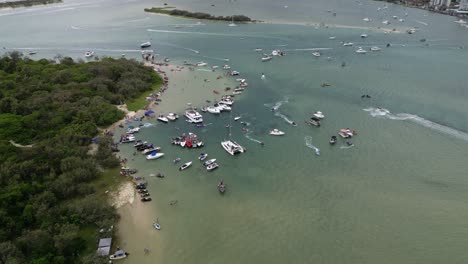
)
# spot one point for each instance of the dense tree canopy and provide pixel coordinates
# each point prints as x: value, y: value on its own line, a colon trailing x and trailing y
x: 46, y: 195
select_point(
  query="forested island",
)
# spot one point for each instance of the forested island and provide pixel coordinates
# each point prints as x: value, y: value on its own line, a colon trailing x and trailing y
x: 197, y: 15
x: 24, y: 3
x: 51, y: 207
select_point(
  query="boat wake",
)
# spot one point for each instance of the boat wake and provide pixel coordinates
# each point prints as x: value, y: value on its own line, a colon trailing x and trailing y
x: 73, y: 27
x: 247, y: 135
x: 308, y: 143
x: 277, y: 105
x: 421, y: 22
x: 285, y: 118
x: 384, y: 113
x: 346, y: 147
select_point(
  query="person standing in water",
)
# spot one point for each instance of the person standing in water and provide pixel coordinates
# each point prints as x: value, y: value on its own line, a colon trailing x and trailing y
x: 263, y: 76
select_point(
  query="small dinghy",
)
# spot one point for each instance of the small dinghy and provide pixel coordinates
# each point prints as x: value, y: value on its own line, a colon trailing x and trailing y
x: 237, y: 118
x: 185, y: 166
x: 176, y: 160
x: 221, y: 187
x: 156, y: 225
x: 319, y: 115
x: 203, y: 156
x: 276, y: 132
x: 333, y: 140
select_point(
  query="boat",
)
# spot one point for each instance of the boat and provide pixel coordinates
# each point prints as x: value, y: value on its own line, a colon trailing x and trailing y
x: 203, y: 109
x: 89, y: 54
x: 232, y: 147
x: 150, y: 150
x: 32, y: 52
x: 364, y: 35
x: 213, y: 110
x: 333, y: 140
x: 162, y: 118
x: 331, y: 38
x: 133, y: 130
x: 361, y: 51
x: 208, y: 162
x: 212, y: 166
x: 316, y: 54
x: 375, y: 49
x: 227, y: 100
x: 366, y: 19
x: 146, y: 199
x: 385, y: 22
x: 221, y: 187
x: 156, y: 225
x: 267, y: 58
x: 139, y: 143
x: 313, y: 121
x: 460, y: 21
x: 234, y: 73
x: 258, y: 49
x: 203, y: 156
x: 127, y: 138
x: 185, y: 165
x: 172, y: 116
x: 193, y: 116
x: 276, y: 132
x: 346, y: 133
x: 223, y: 107
x: 176, y: 160
x: 348, y: 44
x: 119, y: 254
x: 319, y: 115
x: 237, y: 118
x: 236, y: 93
x: 226, y: 67
x: 145, y: 45
x: 154, y: 155
x: 166, y: 59
x: 202, y: 64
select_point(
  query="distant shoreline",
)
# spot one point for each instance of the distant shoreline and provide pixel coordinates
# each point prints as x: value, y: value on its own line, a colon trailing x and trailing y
x: 27, y: 3
x: 172, y: 11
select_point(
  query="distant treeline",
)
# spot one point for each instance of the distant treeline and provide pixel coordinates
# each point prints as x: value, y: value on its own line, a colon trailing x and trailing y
x: 50, y: 212
x: 22, y: 3
x: 197, y: 15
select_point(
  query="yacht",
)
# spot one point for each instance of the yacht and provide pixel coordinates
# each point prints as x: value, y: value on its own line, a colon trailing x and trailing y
x: 319, y: 115
x: 267, y: 58
x: 276, y: 132
x: 375, y: 49
x: 232, y: 147
x: 133, y: 130
x: 119, y: 254
x: 162, y: 118
x: 89, y: 54
x: 213, y: 110
x: 202, y: 64
x: 154, y: 155
x: 348, y: 44
x: 193, y: 116
x: 172, y: 116
x: 212, y: 166
x: 364, y: 35
x: 227, y: 100
x: 128, y: 139
x: 237, y: 118
x: 361, y: 51
x: 145, y: 45
x: 185, y: 166
x: 316, y: 54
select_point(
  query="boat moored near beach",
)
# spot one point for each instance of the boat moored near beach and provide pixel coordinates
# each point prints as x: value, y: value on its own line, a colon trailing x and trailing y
x: 119, y: 254
x: 163, y: 119
x: 154, y: 155
x: 172, y: 116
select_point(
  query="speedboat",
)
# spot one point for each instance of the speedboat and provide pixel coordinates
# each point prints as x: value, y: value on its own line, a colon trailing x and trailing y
x: 172, y: 116
x: 212, y: 166
x: 32, y: 52
x: 331, y: 38
x: 119, y: 254
x: 333, y: 140
x: 226, y: 100
x: 232, y: 147
x: 319, y: 115
x: 361, y: 51
x: 364, y: 35
x: 139, y: 143
x: 316, y: 54
x: 236, y: 93
x: 145, y: 45
x: 154, y: 155
x: 162, y: 118
x: 375, y: 49
x: 366, y: 19
x: 348, y: 44
x: 313, y: 121
x: 267, y: 58
x: 234, y: 73
x: 221, y: 187
x: 203, y: 156
x: 194, y: 116
x: 213, y: 110
x: 185, y: 165
x: 133, y: 130
x: 202, y: 64
x: 223, y: 107
x: 276, y: 132
x: 157, y: 226
x: 146, y: 199
x: 226, y: 67
x: 460, y: 21
x: 385, y: 22
x: 346, y: 133
x: 127, y: 139
x: 237, y: 118
x: 208, y: 162
x: 150, y: 150
x: 89, y: 54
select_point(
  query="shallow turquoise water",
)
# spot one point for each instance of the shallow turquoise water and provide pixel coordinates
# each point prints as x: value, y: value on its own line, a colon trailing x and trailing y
x: 398, y: 196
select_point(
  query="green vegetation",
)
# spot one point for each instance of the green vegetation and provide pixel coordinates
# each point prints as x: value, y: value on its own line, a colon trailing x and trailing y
x: 52, y: 199
x: 197, y: 15
x: 23, y: 3
x: 140, y: 102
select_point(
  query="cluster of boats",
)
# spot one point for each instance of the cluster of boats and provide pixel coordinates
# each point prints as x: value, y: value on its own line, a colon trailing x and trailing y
x: 144, y: 194
x: 167, y: 118
x: 190, y: 141
x: 209, y: 164
x: 224, y: 105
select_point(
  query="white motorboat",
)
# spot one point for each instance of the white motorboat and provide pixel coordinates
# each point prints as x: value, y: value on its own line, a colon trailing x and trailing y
x: 119, y: 254
x: 212, y: 166
x: 172, y: 116
x: 226, y: 67
x: 240, y: 80
x: 149, y: 150
x: 208, y: 162
x: 133, y: 130
x: 89, y: 54
x: 232, y: 147
x: 385, y: 22
x: 236, y: 93
x: 277, y: 53
x: 213, y: 110
x: 128, y: 139
x: 162, y: 118
x: 364, y: 35
x: 460, y: 21
x: 331, y: 38
x: 244, y: 84
x: 361, y: 51
x: 267, y: 58
x: 234, y: 73
x: 203, y: 156
x: 193, y: 116
x: 227, y: 100
x: 258, y: 49
x: 366, y: 19
x: 319, y: 115
x: 237, y: 118
x: 394, y: 17
x: 346, y: 133
x: 316, y: 54
x: 185, y: 166
x: 401, y: 20
x: 145, y: 45
x: 214, y: 67
x: 157, y: 226
x: 202, y: 64
x: 375, y: 49
x: 276, y: 132
x: 348, y: 44
x: 32, y: 52
x: 154, y: 155
x: 223, y: 107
